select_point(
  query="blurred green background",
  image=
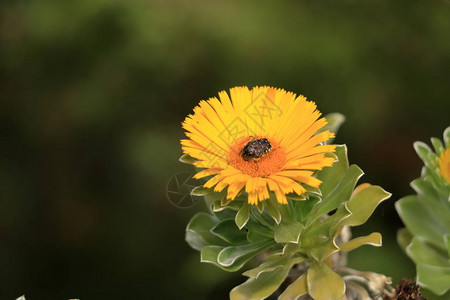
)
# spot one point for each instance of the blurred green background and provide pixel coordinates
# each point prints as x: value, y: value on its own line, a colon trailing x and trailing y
x: 93, y: 94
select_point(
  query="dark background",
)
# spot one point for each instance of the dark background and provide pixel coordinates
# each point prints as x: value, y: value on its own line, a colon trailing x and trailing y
x: 93, y: 94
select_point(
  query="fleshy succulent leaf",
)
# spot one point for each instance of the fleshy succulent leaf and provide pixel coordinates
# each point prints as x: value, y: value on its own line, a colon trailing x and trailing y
x: 424, y: 152
x: 198, y: 232
x: 421, y: 253
x: 229, y: 232
x: 313, y: 191
x: 274, y: 261
x: 288, y: 232
x: 225, y: 201
x: 260, y: 287
x: 303, y: 208
x: 324, y: 251
x: 323, y: 283
x: 230, y: 254
x: 363, y: 204
x: 373, y: 239
x: 340, y: 193
x: 296, y: 197
x: 296, y: 289
x: 436, y: 278
x: 258, y: 232
x: 201, y: 191
x: 424, y: 187
x: 187, y: 159
x: 243, y: 215
x: 447, y: 241
x: 335, y: 120
x: 437, y: 144
x: 404, y: 237
x: 210, y: 254
x: 330, y: 177
x: 273, y: 211
x: 419, y: 221
x: 440, y: 211
x: 447, y: 137
x: 321, y: 231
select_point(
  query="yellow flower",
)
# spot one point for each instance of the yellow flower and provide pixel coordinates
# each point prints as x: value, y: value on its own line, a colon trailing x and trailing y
x: 259, y: 140
x: 444, y: 164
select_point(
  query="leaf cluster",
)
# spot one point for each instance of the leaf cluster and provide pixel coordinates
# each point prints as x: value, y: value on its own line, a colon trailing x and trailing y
x: 426, y: 238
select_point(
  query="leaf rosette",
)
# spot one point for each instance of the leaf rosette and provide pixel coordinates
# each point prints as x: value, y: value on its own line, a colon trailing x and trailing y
x: 426, y: 238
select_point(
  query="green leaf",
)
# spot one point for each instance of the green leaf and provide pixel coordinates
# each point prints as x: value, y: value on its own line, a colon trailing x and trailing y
x: 322, y: 252
x: 260, y: 206
x: 198, y: 232
x: 296, y: 289
x: 228, y: 231
x: 273, y: 262
x: 230, y: 254
x: 296, y: 197
x: 419, y: 221
x: 313, y: 191
x: 261, y: 287
x: 439, y: 183
x: 212, y: 198
x: 434, y: 278
x: 201, y: 191
x: 437, y: 144
x: 421, y: 253
x: 404, y: 237
x: 195, y: 240
x: 225, y: 201
x: 373, y: 239
x: 363, y: 204
x: 187, y: 159
x: 234, y: 205
x: 243, y: 215
x: 290, y: 249
x: 317, y: 233
x: 341, y: 192
x: 332, y: 176
x: 431, y: 296
x: 264, y: 218
x: 210, y: 254
x: 303, y: 208
x: 226, y: 214
x: 423, y: 187
x: 447, y: 137
x: 335, y: 120
x: 323, y: 283
x: 439, y: 209
x: 288, y: 232
x: 447, y: 241
x: 273, y: 210
x: 424, y: 152
x: 257, y: 232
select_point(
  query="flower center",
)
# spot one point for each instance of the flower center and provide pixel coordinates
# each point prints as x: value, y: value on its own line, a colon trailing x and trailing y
x: 257, y: 157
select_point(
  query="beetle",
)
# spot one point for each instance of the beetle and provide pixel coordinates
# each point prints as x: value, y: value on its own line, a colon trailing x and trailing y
x: 255, y: 149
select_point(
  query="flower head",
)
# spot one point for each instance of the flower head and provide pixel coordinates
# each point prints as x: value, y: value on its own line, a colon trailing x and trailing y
x: 444, y: 164
x: 258, y: 140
